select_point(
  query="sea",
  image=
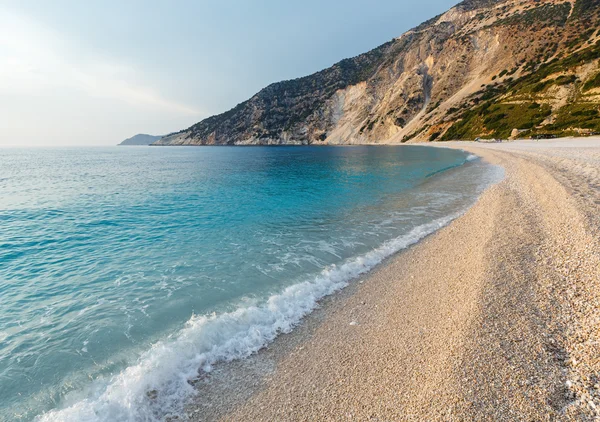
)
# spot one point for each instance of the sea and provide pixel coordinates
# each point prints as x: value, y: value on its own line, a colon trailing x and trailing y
x: 128, y: 272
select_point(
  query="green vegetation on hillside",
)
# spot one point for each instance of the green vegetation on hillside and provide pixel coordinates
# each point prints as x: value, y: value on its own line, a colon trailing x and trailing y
x: 592, y: 83
x: 581, y: 115
x: 548, y: 14
x: 583, y: 7
x: 497, y: 120
x: 524, y: 103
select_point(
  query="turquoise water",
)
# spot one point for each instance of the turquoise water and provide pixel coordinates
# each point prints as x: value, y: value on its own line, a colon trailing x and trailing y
x: 125, y: 271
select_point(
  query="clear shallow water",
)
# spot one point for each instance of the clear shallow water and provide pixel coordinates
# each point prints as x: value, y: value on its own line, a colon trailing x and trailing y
x: 125, y: 270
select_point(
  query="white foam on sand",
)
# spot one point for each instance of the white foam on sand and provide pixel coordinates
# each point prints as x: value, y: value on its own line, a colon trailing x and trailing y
x: 158, y: 384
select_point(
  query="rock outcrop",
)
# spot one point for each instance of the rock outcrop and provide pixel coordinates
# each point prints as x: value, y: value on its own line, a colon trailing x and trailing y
x: 484, y: 68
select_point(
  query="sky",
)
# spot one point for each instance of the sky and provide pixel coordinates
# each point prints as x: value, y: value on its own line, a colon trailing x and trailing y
x: 90, y: 73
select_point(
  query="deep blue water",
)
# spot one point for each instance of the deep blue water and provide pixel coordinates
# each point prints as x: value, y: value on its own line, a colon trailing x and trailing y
x: 126, y: 270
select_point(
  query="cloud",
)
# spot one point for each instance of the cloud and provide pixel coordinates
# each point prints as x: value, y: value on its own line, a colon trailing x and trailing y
x: 34, y: 58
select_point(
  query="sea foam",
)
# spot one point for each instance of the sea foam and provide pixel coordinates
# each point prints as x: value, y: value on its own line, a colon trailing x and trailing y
x: 159, y: 383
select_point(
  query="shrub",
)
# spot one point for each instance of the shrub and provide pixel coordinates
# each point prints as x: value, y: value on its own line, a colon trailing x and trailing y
x: 434, y: 136
x: 592, y: 83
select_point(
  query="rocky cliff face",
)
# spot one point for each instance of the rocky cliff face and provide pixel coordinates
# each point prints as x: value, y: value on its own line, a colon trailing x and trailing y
x: 484, y: 68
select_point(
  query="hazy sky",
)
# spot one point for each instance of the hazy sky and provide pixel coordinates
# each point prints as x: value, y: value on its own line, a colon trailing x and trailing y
x: 76, y: 72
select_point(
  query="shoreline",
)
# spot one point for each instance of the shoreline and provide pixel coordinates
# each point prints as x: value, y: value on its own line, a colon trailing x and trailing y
x: 229, y: 382
x: 430, y: 143
x: 378, y: 349
x: 283, y: 310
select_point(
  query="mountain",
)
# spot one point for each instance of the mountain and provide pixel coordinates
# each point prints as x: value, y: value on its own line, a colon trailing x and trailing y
x: 484, y: 68
x: 141, y: 139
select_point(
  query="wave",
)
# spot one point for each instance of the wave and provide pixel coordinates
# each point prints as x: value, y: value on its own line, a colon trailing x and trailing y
x: 158, y: 385
x: 468, y: 158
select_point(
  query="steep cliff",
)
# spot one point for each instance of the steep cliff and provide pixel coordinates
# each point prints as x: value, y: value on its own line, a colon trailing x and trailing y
x: 484, y: 68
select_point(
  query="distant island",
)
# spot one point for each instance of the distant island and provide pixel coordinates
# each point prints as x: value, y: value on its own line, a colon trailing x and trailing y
x: 140, y: 139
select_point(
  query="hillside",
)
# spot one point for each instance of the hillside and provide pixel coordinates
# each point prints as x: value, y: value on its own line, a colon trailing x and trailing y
x: 140, y: 139
x: 482, y: 69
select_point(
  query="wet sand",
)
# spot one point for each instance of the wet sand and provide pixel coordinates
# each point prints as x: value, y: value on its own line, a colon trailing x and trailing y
x: 494, y: 317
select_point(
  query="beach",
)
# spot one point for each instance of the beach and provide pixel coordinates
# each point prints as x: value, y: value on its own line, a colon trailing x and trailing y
x: 494, y: 317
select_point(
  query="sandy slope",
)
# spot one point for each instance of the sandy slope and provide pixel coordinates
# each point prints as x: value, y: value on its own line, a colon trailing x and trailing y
x: 495, y: 317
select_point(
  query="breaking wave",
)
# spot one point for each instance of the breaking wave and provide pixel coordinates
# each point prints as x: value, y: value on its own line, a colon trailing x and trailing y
x: 160, y: 382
